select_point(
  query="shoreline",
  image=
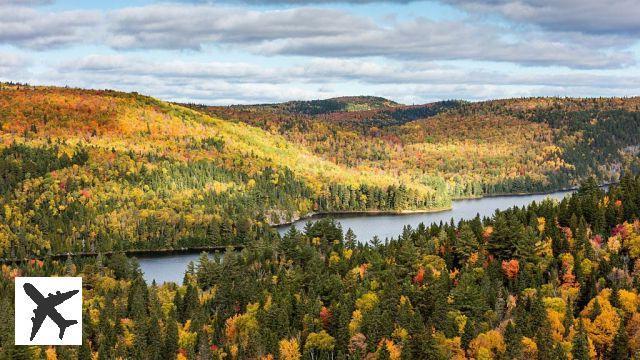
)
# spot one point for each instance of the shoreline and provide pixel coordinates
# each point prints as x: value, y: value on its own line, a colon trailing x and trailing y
x: 322, y: 214
x: 140, y: 253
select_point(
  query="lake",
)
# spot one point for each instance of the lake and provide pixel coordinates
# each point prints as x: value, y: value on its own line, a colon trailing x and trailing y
x: 171, y: 267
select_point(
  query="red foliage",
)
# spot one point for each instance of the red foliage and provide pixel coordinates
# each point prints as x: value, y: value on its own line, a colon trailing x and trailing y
x: 86, y: 193
x: 34, y: 262
x: 568, y: 279
x: 511, y: 268
x: 325, y: 316
x: 620, y: 230
x: 419, y: 278
x: 597, y: 241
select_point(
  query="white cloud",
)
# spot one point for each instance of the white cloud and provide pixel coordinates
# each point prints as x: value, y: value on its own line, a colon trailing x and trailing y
x: 224, y: 83
x: 618, y: 17
x: 13, y: 66
x: 29, y: 28
x: 192, y: 27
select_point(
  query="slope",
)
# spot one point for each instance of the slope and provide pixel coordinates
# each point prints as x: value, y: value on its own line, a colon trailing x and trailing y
x: 88, y: 170
x: 492, y: 147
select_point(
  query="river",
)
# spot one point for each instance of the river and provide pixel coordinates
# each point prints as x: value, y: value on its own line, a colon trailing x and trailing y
x: 365, y: 226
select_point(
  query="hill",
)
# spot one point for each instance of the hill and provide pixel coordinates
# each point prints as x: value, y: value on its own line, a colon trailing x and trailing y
x: 102, y: 170
x: 86, y: 170
x: 327, y: 106
x: 471, y: 149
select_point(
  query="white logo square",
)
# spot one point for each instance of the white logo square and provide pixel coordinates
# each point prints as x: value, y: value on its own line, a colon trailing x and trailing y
x: 48, y: 311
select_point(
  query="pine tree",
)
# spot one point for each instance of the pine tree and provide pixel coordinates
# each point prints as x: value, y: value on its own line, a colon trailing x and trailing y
x: 467, y: 243
x: 468, y: 334
x: 171, y: 336
x: 423, y: 346
x: 137, y: 308
x: 350, y: 239
x: 580, y: 348
x: 190, y: 303
x: 620, y: 347
x: 512, y: 341
x: 568, y: 318
x: 154, y: 337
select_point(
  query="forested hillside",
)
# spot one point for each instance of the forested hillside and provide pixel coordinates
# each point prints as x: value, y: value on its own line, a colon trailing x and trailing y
x: 103, y: 170
x: 469, y: 149
x: 550, y: 281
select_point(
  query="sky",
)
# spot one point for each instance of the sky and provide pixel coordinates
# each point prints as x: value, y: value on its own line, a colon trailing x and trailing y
x: 264, y: 51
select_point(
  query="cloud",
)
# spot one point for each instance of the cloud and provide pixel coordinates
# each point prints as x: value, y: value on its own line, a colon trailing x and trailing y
x: 193, y: 27
x: 618, y: 17
x: 410, y: 82
x: 317, y: 71
x: 28, y: 28
x: 310, y: 32
x: 449, y: 40
x: 13, y: 66
x: 332, y: 33
x: 300, y: 2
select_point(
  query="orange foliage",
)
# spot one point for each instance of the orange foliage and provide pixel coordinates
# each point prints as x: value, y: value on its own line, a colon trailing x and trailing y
x: 511, y: 268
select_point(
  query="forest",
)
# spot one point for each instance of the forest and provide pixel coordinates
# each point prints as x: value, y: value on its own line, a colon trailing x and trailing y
x: 88, y: 171
x: 104, y: 172
x: 469, y: 149
x: 554, y: 280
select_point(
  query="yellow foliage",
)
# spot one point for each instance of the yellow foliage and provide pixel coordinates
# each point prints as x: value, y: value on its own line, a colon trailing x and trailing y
x: 289, y: 349
x: 633, y: 330
x: 629, y: 301
x: 450, y: 348
x: 400, y: 333
x: 367, y: 302
x: 321, y: 341
x: 541, y: 224
x: 603, y: 328
x: 395, y: 351
x: 556, y: 325
x: 529, y: 348
x: 186, y: 338
x: 356, y: 321
x: 50, y: 354
x: 487, y: 345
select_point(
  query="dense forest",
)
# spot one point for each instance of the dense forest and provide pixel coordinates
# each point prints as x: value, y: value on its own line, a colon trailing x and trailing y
x: 470, y: 149
x: 549, y: 281
x: 87, y: 171
x: 105, y: 172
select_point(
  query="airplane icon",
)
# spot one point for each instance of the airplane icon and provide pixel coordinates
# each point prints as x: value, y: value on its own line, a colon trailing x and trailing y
x: 47, y: 307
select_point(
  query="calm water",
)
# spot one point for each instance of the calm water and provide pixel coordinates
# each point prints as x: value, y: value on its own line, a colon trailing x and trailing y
x: 172, y: 267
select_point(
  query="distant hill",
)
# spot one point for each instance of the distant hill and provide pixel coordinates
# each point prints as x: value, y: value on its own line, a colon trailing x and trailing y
x: 327, y: 106
x: 499, y: 146
x: 86, y: 170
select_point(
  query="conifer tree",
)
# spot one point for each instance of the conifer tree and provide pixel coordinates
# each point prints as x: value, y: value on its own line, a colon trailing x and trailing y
x: 171, y: 336
x: 620, y: 347
x: 512, y: 341
x: 580, y: 348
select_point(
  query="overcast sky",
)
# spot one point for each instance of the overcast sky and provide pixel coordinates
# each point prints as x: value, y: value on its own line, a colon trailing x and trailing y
x: 248, y: 51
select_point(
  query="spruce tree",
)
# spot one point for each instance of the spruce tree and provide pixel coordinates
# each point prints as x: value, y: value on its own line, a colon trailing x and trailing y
x: 171, y: 336
x: 580, y: 348
x: 513, y: 342
x: 190, y: 303
x: 620, y: 347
